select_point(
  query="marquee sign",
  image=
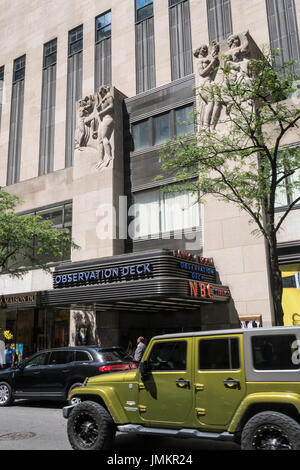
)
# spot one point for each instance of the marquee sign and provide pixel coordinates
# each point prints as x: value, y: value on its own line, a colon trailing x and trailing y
x: 213, y: 292
x: 160, y: 274
x: 98, y: 276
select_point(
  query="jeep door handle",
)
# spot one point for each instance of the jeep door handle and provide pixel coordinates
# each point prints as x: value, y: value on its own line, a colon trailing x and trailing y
x: 231, y: 383
x: 181, y: 383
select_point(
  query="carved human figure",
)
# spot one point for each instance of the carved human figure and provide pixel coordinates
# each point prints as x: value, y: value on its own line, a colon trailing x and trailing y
x: 207, y: 66
x: 105, y: 111
x: 238, y: 57
x: 85, y: 118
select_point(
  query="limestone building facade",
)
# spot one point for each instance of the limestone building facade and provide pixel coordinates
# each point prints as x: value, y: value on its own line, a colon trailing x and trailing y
x: 90, y: 91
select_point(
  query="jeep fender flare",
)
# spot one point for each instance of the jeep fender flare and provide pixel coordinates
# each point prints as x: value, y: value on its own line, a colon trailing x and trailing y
x: 275, y: 398
x: 108, y: 396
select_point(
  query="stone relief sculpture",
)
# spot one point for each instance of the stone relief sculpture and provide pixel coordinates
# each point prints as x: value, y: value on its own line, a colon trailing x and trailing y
x: 85, y: 121
x: 207, y: 69
x: 105, y: 110
x: 95, y: 125
x: 238, y: 57
x: 236, y: 52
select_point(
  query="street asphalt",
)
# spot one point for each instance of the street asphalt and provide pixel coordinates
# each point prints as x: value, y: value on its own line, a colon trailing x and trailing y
x: 28, y: 425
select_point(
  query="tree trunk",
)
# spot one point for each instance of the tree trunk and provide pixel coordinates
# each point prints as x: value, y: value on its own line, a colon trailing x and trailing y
x: 275, y: 280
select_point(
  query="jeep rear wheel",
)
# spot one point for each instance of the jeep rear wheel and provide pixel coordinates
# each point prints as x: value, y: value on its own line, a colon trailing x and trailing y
x: 271, y: 430
x: 90, y: 427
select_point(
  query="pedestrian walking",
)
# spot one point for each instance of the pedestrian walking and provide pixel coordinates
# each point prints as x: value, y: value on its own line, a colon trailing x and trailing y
x: 141, y: 346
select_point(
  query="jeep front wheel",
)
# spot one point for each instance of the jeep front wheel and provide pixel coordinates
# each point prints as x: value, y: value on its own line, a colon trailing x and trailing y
x: 90, y: 427
x: 271, y: 430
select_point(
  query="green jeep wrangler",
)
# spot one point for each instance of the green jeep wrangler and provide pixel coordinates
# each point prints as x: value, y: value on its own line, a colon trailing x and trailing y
x: 236, y: 385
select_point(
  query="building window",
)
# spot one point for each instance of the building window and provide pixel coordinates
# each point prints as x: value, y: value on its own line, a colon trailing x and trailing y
x: 103, y: 50
x: 74, y: 89
x: 219, y: 20
x: 285, y: 194
x: 283, y: 31
x: 145, y: 50
x: 16, y: 121
x: 1, y: 90
x: 141, y: 134
x: 76, y: 40
x: 103, y: 26
x: 50, y: 53
x: 180, y: 39
x: 46, y: 152
x: 19, y: 69
x: 157, y: 212
x: 174, y: 2
x: 288, y: 191
x: 158, y: 129
x: 61, y: 218
x: 144, y: 10
x: 184, y: 120
x: 161, y: 128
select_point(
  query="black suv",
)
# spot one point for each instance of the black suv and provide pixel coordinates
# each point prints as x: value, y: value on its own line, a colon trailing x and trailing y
x: 52, y: 373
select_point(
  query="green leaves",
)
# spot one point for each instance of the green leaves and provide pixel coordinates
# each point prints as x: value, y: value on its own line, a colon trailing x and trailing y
x: 27, y: 240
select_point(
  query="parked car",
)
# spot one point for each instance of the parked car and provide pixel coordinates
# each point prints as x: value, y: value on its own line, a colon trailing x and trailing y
x: 53, y: 373
x: 237, y: 385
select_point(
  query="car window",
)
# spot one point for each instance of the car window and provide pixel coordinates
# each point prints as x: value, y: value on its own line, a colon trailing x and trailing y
x: 82, y: 356
x: 168, y: 355
x: 219, y: 354
x: 111, y: 356
x: 274, y: 352
x: 39, y: 360
x: 60, y: 357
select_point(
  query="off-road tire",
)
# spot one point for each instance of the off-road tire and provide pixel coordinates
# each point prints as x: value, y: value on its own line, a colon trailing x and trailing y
x: 271, y: 430
x: 90, y: 427
x: 6, y: 397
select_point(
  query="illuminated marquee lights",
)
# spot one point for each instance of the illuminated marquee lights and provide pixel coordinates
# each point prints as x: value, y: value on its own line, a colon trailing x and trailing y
x: 190, y: 257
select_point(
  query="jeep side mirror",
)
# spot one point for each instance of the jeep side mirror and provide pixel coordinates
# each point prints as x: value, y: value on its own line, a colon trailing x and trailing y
x: 144, y: 368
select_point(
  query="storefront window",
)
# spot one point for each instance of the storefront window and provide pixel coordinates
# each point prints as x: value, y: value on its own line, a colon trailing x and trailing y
x: 36, y: 329
x: 60, y: 322
x: 21, y: 325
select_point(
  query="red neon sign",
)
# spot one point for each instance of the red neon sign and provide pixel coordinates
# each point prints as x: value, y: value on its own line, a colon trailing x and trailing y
x: 208, y: 291
x: 190, y: 257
